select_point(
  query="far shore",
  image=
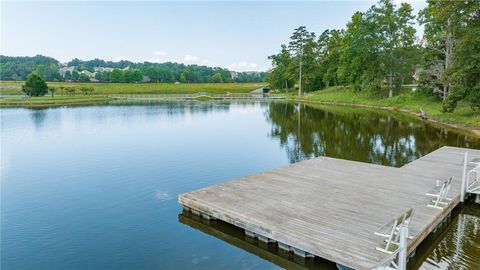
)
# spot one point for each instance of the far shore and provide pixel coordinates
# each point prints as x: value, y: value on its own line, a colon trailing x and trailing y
x: 463, y: 118
x: 14, y: 87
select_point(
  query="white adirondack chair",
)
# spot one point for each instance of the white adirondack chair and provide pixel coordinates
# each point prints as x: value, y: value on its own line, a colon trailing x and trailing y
x: 440, y: 194
x: 391, y: 231
x: 385, y: 229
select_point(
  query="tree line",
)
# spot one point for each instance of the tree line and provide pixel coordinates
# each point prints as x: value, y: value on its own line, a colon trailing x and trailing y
x: 18, y: 68
x: 379, y: 50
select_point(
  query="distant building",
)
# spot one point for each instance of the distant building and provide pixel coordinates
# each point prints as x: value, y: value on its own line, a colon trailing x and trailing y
x: 103, y: 69
x: 88, y: 73
x: 63, y: 70
x: 233, y: 74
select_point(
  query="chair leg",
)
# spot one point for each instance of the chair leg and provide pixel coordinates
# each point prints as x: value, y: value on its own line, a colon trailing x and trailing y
x: 434, y: 206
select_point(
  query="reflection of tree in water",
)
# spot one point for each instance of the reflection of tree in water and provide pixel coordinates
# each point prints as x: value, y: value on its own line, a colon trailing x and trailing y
x: 456, y: 247
x: 38, y: 117
x: 356, y: 134
x: 173, y: 108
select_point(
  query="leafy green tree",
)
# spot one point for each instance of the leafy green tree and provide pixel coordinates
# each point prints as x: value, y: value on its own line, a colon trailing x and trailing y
x: 52, y: 90
x: 438, y: 44
x: 301, y: 42
x: 280, y: 76
x: 117, y: 76
x: 359, y: 61
x: 49, y: 72
x: 182, y: 78
x: 68, y: 76
x: 133, y: 76
x: 35, y: 86
x: 394, y: 27
x: 75, y: 76
x: 87, y: 90
x: 83, y: 78
x: 217, y: 78
x: 379, y: 45
x: 330, y: 43
x: 452, y: 43
x: 103, y: 76
x: 70, y: 91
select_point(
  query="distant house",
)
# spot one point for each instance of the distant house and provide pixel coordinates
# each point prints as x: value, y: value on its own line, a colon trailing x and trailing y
x: 63, y: 70
x: 103, y: 69
x: 91, y: 75
x: 88, y: 73
x: 233, y: 74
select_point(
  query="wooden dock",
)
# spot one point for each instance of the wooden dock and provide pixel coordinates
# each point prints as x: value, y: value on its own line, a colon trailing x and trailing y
x: 330, y: 207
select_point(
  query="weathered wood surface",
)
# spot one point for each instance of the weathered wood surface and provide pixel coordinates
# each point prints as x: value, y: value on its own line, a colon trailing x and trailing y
x: 331, y: 207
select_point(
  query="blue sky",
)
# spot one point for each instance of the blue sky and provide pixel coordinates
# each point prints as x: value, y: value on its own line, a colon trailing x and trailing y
x: 235, y: 35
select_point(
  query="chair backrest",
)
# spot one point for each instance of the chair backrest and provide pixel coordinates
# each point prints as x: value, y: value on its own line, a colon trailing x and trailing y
x: 448, y: 185
x: 398, y: 222
x: 408, y: 217
x: 441, y: 194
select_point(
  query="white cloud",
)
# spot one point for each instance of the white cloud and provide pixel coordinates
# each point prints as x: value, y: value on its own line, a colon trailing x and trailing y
x: 117, y: 58
x: 190, y: 58
x: 159, y: 56
x: 243, y: 66
x: 160, y: 53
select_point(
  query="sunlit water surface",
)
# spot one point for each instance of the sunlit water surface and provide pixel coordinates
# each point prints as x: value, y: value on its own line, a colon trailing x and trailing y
x: 95, y: 187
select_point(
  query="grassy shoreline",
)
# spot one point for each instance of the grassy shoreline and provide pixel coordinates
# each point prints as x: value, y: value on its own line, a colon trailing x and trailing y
x: 48, y: 101
x: 411, y: 103
x: 103, y: 90
x: 14, y: 87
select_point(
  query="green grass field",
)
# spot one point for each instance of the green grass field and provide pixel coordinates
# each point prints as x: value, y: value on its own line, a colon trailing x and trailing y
x: 407, y: 100
x: 11, y: 87
x: 49, y: 101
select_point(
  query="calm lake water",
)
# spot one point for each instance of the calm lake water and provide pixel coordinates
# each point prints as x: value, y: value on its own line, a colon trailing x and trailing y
x: 95, y: 187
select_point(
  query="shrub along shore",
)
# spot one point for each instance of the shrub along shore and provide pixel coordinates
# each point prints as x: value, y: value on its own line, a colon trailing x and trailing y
x: 464, y: 117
